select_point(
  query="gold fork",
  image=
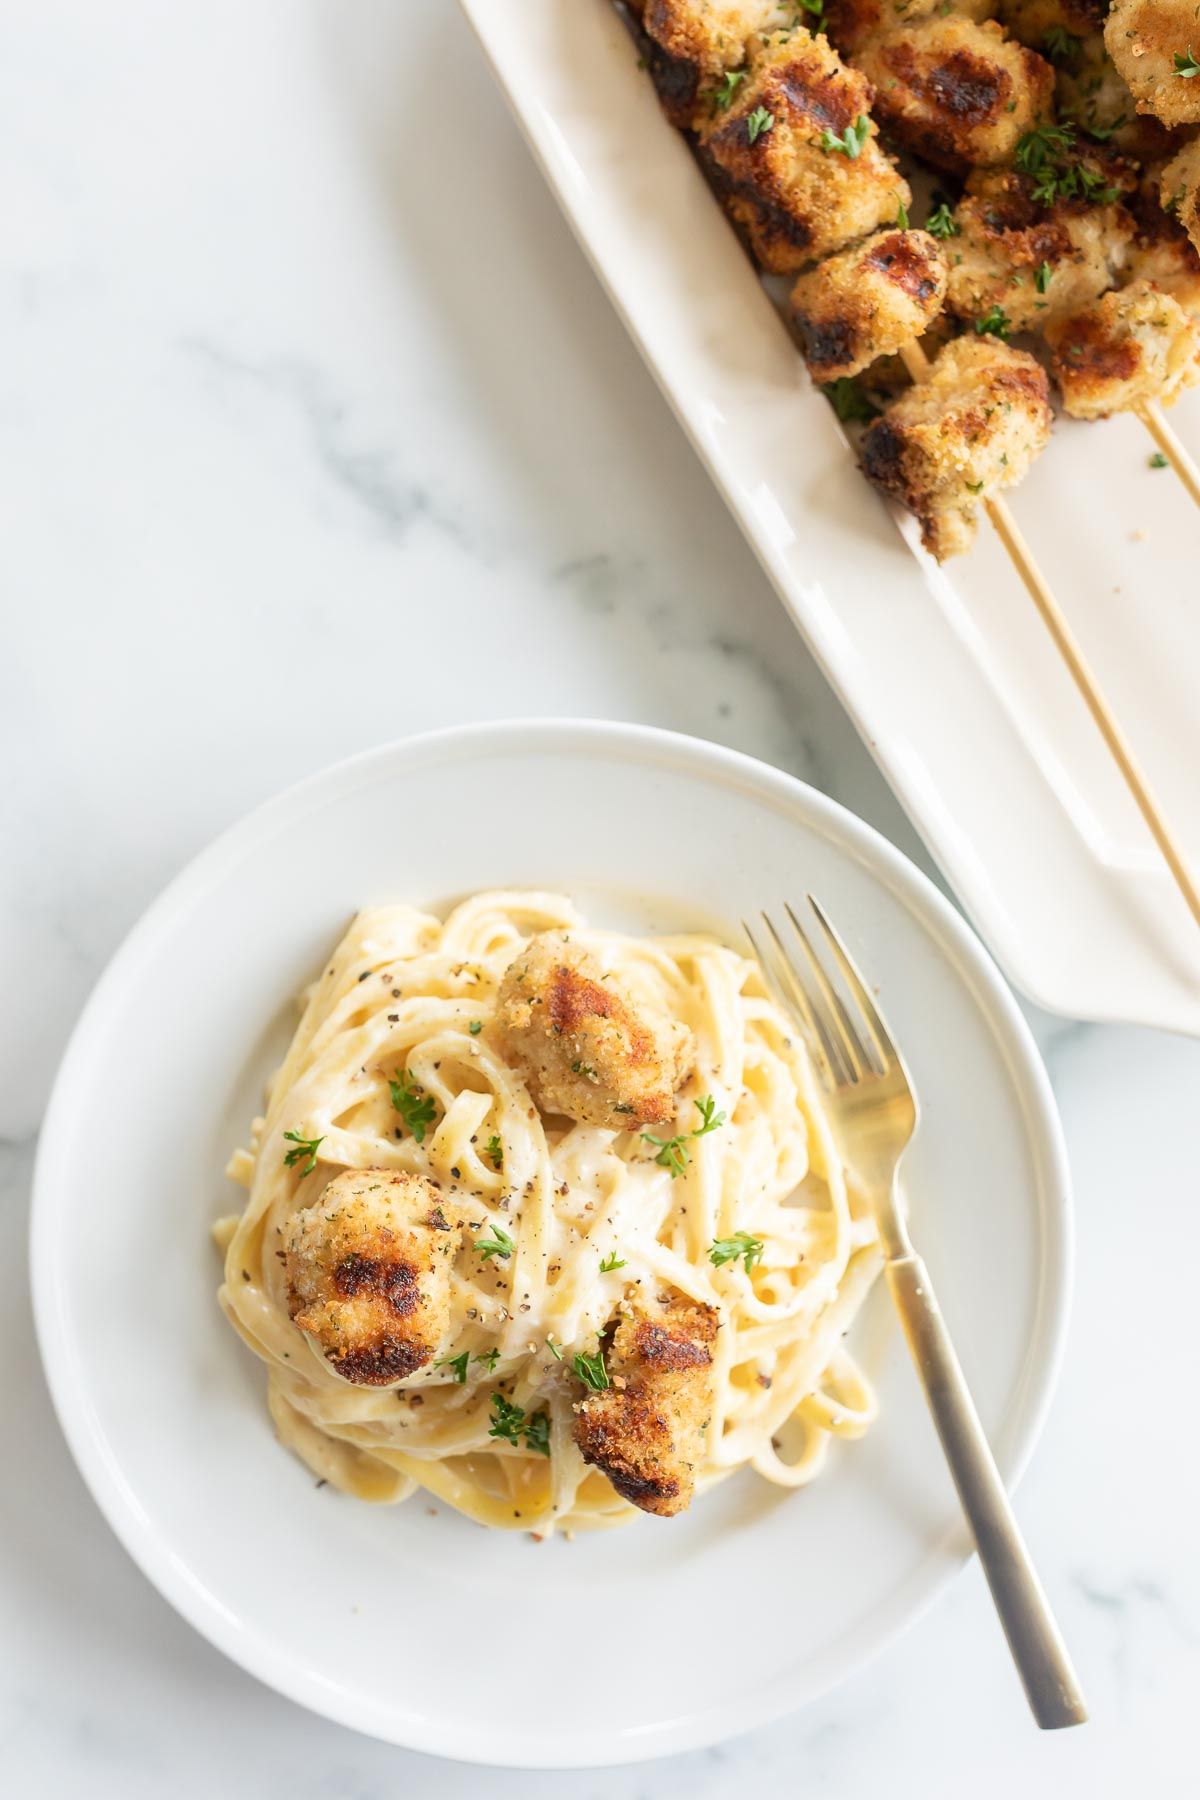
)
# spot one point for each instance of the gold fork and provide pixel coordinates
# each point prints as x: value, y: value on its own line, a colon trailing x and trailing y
x: 876, y: 1115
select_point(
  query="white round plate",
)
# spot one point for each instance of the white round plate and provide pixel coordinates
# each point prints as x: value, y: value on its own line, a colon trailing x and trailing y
x: 766, y: 1597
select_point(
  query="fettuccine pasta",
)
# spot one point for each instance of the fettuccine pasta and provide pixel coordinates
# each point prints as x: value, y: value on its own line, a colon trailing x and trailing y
x: 740, y: 1205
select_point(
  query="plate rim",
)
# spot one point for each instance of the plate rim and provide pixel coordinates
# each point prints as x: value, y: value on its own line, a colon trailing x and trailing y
x: 955, y: 940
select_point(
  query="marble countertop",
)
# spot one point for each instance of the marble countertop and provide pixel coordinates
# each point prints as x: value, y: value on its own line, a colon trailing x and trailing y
x: 304, y: 377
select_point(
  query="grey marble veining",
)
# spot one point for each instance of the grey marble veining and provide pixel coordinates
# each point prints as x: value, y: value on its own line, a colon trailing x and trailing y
x: 305, y: 379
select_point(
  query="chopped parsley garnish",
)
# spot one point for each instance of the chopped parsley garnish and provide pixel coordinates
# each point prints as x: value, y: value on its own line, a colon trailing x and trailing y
x: 489, y: 1359
x: 710, y: 1118
x: 554, y: 1349
x: 673, y: 1153
x: 475, y: 1027
x: 941, y: 222
x: 537, y: 1433
x: 741, y: 1244
x: 1042, y: 277
x: 1092, y: 187
x: 458, y: 1364
x: 1060, y: 45
x: 494, y: 1149
x: 1158, y: 460
x: 758, y: 122
x: 849, y: 402
x: 499, y: 1244
x: 851, y: 141
x: 414, y: 1105
x: 1102, y: 133
x: 731, y: 81
x: 815, y: 10
x: 508, y: 1421
x: 1187, y: 66
x: 995, y: 322
x: 305, y: 1147
x: 591, y: 1371
x: 612, y: 1262
x: 1044, y: 155
x: 901, y: 216
x: 1037, y: 147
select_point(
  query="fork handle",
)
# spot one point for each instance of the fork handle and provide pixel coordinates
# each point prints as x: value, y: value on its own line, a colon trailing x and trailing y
x: 1043, y: 1664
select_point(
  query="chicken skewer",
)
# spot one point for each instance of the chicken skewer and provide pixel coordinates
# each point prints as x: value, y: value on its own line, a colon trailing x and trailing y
x: 955, y: 91
x: 1071, y: 651
x: 1034, y: 262
x: 1165, y: 213
x: 790, y: 146
x: 953, y: 83
x: 786, y: 220
x: 1138, y: 329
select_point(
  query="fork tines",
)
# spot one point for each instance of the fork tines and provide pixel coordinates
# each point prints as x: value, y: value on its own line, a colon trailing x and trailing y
x: 849, y: 1046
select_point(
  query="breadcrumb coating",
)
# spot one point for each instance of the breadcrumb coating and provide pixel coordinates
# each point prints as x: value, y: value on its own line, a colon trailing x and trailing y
x: 585, y: 1047
x: 646, y: 1431
x: 1135, y: 345
x: 696, y: 41
x: 1144, y: 37
x: 1036, y: 263
x: 774, y: 159
x: 1179, y: 187
x: 970, y: 429
x: 957, y: 93
x: 868, y: 302
x: 368, y: 1273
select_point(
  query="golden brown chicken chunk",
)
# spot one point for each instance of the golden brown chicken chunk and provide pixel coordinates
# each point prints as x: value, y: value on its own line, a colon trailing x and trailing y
x: 1028, y: 262
x: 867, y: 302
x: 971, y: 428
x: 645, y: 1432
x: 585, y: 1047
x: 796, y: 158
x: 368, y: 1273
x: 1161, y: 251
x: 1148, y: 40
x: 1135, y: 345
x: 1092, y: 94
x: 697, y: 41
x: 1179, y: 187
x: 851, y: 23
x: 957, y: 93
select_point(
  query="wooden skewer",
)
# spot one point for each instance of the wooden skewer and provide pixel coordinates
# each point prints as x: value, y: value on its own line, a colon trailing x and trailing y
x: 1168, y: 441
x: 1068, y: 646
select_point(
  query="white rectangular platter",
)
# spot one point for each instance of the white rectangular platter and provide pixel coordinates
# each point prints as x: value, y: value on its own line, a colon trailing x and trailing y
x: 948, y: 674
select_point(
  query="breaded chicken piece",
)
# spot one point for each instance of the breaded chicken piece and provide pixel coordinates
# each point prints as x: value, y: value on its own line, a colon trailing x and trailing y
x: 849, y: 24
x: 957, y: 93
x: 869, y: 301
x: 1179, y: 188
x: 1092, y: 93
x: 1144, y: 37
x: 1036, y: 263
x: 368, y: 1273
x: 774, y: 159
x: 971, y: 428
x: 645, y: 1432
x: 697, y: 41
x: 586, y: 1048
x: 1135, y: 345
x: 1161, y: 251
